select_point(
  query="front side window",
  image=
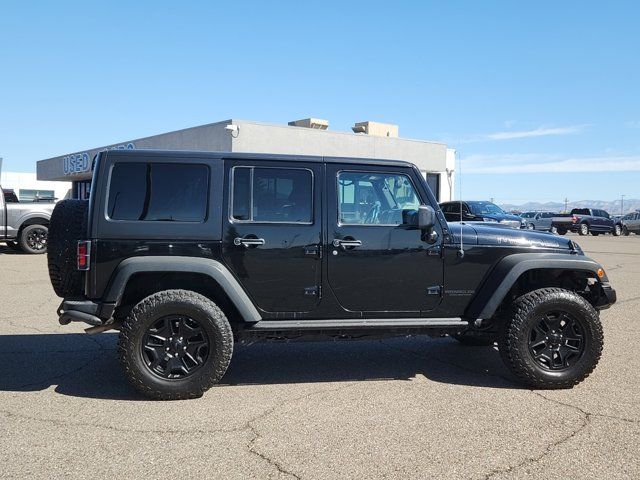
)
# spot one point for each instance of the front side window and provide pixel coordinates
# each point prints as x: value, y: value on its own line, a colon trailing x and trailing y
x: 375, y: 198
x: 282, y: 195
x: 161, y: 192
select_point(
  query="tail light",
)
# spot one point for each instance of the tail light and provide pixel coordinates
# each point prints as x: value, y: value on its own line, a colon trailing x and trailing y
x: 574, y: 219
x: 84, y: 254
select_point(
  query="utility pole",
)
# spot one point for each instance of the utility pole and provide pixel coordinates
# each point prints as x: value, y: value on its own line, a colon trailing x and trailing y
x: 622, y: 204
x: 566, y: 204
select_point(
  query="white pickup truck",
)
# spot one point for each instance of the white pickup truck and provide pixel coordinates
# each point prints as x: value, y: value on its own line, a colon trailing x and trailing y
x: 24, y: 226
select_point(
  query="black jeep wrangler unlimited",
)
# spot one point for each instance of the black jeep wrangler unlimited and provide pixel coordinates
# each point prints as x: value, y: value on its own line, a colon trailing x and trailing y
x: 186, y: 253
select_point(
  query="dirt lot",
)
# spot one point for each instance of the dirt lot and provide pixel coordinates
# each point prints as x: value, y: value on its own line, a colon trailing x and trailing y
x: 401, y: 408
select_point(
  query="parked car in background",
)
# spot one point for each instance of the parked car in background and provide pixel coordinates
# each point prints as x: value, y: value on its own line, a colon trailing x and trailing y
x: 24, y: 226
x: 480, y: 211
x: 630, y: 223
x: 586, y: 221
x: 539, y: 220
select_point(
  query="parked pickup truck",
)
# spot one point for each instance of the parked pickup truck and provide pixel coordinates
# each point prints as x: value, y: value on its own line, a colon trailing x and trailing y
x: 585, y: 221
x: 24, y: 226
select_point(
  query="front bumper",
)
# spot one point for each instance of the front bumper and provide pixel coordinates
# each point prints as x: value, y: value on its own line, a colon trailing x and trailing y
x: 605, y: 296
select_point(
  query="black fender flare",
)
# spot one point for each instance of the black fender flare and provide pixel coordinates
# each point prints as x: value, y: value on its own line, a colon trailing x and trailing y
x: 507, y: 271
x: 206, y: 266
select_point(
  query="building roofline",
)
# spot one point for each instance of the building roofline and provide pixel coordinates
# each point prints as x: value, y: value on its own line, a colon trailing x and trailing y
x: 254, y: 156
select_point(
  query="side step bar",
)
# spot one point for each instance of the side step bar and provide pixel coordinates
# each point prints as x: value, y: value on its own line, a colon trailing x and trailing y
x: 357, y: 323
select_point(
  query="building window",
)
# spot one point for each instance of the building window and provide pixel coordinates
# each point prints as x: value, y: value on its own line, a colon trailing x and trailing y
x: 82, y: 189
x: 281, y: 195
x: 433, y: 180
x: 161, y: 192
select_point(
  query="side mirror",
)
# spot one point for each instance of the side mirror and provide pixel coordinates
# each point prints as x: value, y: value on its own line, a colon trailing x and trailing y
x: 426, y: 217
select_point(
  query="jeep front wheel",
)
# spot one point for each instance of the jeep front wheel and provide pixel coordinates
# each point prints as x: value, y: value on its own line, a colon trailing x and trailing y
x: 174, y: 345
x: 552, y: 338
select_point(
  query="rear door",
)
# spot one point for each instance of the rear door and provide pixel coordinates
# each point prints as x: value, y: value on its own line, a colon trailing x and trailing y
x: 377, y: 261
x: 272, y: 232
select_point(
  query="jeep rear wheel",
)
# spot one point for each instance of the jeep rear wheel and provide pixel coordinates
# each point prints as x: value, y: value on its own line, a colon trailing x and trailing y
x: 68, y: 225
x: 174, y: 345
x: 552, y: 339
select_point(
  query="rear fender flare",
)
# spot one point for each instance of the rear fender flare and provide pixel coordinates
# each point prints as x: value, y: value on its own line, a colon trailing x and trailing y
x: 216, y: 270
x: 504, y: 275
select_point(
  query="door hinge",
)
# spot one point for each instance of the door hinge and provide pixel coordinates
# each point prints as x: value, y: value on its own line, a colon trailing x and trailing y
x: 435, y: 290
x: 316, y: 290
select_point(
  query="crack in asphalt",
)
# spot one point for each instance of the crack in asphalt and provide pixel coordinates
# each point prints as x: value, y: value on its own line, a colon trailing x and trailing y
x: 625, y: 301
x: 585, y: 415
x: 251, y: 446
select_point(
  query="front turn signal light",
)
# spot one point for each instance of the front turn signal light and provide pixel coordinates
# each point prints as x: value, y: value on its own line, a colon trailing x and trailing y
x: 600, y: 273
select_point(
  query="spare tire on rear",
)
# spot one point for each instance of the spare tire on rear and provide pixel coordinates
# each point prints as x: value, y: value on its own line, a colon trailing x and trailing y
x: 68, y: 225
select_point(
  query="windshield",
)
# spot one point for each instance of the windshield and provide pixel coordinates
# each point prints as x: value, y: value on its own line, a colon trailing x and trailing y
x: 483, y: 208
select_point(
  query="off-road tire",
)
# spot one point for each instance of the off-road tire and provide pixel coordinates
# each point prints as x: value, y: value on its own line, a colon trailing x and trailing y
x: 23, y: 239
x: 175, y: 302
x: 68, y: 225
x: 513, y: 341
x: 583, y: 229
x: 617, y: 231
x: 471, y: 339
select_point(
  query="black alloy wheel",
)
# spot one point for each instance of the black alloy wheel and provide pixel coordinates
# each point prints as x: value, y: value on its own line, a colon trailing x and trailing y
x: 37, y: 239
x: 175, y: 346
x: 33, y: 239
x: 557, y: 341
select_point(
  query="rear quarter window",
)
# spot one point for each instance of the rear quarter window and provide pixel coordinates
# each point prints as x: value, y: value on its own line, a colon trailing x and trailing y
x: 160, y: 192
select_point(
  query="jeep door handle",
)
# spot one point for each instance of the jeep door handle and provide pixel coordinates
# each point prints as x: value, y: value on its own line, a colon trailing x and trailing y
x: 346, y: 243
x: 248, y: 242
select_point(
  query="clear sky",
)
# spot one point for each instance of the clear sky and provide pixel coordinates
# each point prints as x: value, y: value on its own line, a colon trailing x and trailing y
x: 541, y: 99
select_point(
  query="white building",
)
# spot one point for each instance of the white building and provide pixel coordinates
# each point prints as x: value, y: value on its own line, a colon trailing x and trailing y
x: 27, y: 187
x: 310, y: 136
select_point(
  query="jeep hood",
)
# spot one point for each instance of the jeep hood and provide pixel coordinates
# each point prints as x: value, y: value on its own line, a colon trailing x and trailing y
x: 483, y: 233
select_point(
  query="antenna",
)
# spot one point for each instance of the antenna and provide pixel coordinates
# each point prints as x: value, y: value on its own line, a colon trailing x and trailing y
x: 461, y: 251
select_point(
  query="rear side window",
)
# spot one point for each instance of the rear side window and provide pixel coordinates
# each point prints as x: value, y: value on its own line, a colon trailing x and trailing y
x: 280, y: 195
x: 161, y: 192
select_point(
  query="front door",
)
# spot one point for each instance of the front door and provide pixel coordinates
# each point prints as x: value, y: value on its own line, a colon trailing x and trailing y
x: 272, y: 234
x: 377, y: 261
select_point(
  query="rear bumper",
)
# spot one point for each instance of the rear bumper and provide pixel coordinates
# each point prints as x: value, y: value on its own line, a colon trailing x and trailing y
x: 86, y: 311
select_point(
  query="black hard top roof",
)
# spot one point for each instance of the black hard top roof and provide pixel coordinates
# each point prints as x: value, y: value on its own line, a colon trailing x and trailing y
x: 252, y: 156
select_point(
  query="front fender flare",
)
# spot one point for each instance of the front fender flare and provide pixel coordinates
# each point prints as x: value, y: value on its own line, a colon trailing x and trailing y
x: 216, y: 270
x: 510, y: 268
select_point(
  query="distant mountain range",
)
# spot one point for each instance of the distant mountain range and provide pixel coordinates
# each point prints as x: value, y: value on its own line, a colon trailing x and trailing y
x: 630, y: 205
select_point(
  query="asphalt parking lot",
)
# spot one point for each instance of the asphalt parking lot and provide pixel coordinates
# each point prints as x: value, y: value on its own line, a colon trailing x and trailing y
x: 398, y: 408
